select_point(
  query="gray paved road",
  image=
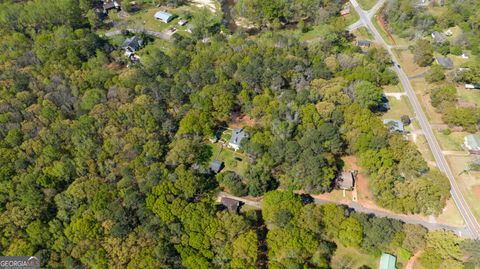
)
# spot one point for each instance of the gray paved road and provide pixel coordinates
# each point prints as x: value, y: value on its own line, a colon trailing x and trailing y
x: 461, y: 231
x: 473, y: 228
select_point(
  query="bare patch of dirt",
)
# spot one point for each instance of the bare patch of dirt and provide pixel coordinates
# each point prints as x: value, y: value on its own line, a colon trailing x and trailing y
x: 476, y: 190
x: 239, y: 121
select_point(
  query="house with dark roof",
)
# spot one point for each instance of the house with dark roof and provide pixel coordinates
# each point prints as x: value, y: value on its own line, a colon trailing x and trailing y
x: 472, y: 143
x: 363, y: 43
x: 163, y: 16
x: 132, y: 45
x: 439, y: 38
x: 394, y: 125
x: 232, y: 205
x: 346, y: 180
x: 238, y: 135
x: 216, y: 166
x: 445, y: 62
x: 110, y: 4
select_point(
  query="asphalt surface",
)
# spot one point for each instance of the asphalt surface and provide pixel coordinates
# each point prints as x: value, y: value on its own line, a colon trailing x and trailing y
x: 462, y: 231
x: 472, y: 227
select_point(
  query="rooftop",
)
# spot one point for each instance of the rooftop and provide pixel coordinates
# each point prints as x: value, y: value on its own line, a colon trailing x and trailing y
x: 237, y: 135
x: 388, y: 261
x: 445, y: 62
x: 163, y: 16
x: 133, y: 43
x: 231, y: 204
x: 346, y: 180
x: 472, y: 141
x: 394, y: 125
x: 439, y: 37
x: 363, y: 43
x: 216, y: 166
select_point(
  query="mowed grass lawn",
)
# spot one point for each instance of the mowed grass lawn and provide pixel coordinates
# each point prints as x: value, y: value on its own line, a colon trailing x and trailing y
x: 453, y: 141
x: 398, y: 108
x: 227, y: 156
x: 367, y: 4
x: 346, y: 257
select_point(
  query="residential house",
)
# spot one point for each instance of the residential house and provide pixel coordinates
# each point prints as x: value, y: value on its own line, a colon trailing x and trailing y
x: 394, y: 125
x: 345, y: 9
x: 216, y: 166
x: 163, y: 16
x: 388, y: 261
x: 363, y: 43
x: 132, y: 45
x: 232, y: 205
x: 346, y: 180
x: 238, y: 135
x: 465, y: 55
x: 439, y: 38
x: 110, y: 4
x: 445, y: 62
x: 472, y: 143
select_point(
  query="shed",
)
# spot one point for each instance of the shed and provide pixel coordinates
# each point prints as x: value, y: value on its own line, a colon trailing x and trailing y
x: 439, y: 38
x: 445, y: 62
x: 163, y: 16
x: 182, y: 22
x: 388, y: 261
x: 394, y: 125
x: 132, y: 44
x: 238, y: 135
x: 346, y: 180
x: 216, y: 166
x: 472, y: 143
x: 232, y: 205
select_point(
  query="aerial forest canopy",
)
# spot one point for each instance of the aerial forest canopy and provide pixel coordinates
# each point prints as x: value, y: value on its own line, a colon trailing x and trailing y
x: 107, y: 166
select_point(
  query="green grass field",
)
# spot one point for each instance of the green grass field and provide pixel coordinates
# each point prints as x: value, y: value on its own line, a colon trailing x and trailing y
x: 346, y: 257
x: 453, y: 141
x: 227, y: 156
x: 398, y: 108
x: 367, y: 4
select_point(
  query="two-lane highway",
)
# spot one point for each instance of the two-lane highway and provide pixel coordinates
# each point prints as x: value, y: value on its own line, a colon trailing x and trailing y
x: 472, y: 225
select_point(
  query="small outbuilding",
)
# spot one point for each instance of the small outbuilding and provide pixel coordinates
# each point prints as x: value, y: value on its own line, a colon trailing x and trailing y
x: 232, y: 205
x: 439, y: 38
x: 182, y: 22
x: 346, y: 180
x: 238, y: 135
x: 472, y: 143
x: 163, y: 16
x: 132, y: 45
x: 394, y: 125
x: 445, y: 62
x: 216, y: 166
x: 388, y: 261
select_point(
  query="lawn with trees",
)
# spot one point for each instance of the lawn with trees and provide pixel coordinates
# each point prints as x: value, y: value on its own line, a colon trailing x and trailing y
x: 104, y: 162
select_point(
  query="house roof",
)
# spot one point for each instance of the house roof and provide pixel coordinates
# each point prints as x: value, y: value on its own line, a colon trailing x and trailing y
x: 439, y: 37
x: 110, y: 5
x: 394, y: 125
x: 216, y: 166
x: 388, y: 261
x: 237, y: 136
x: 472, y: 141
x: 445, y: 62
x: 363, y: 43
x: 231, y: 204
x: 346, y: 180
x: 134, y: 43
x: 162, y: 15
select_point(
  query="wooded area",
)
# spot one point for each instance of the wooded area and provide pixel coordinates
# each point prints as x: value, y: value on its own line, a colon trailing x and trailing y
x: 106, y: 166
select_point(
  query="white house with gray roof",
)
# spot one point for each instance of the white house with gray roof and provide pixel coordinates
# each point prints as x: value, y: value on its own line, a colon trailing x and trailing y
x: 238, y: 135
x: 472, y: 143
